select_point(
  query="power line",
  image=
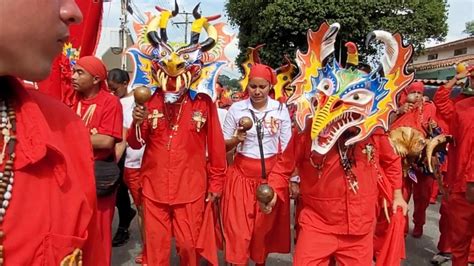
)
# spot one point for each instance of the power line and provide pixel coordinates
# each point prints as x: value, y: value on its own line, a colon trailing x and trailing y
x: 186, y: 22
x: 138, y: 13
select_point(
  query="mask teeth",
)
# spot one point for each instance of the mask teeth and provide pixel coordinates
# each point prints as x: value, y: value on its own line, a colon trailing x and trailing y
x: 178, y: 82
x: 164, y: 82
x: 184, y: 76
x: 189, y: 78
x: 158, y: 74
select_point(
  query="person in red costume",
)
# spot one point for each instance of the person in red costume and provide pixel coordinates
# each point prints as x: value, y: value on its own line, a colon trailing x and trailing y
x: 420, y: 115
x: 101, y: 112
x: 455, y: 210
x: 177, y: 180
x: 251, y: 231
x: 48, y: 214
x: 334, y: 221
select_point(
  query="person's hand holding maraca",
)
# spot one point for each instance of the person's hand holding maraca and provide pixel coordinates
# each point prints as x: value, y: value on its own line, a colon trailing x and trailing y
x: 266, y: 198
x: 245, y: 123
x: 141, y: 95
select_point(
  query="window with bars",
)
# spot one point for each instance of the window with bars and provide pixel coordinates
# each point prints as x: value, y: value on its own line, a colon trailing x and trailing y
x: 460, y: 51
x: 432, y: 56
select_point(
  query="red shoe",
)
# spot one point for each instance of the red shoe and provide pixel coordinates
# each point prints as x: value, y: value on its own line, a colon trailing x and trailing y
x: 417, y: 231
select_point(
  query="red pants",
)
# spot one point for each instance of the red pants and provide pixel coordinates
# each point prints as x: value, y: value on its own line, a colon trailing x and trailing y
x: 444, y: 244
x: 381, y: 229
x: 421, y: 196
x: 105, y: 214
x: 163, y: 221
x: 434, y: 191
x: 462, y: 230
x: 315, y: 248
x: 131, y: 177
x: 248, y: 232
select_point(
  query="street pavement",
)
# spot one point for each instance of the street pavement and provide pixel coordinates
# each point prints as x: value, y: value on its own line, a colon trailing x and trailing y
x: 419, y: 251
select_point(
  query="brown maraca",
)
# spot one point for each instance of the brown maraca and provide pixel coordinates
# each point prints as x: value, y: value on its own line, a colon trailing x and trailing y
x: 246, y: 123
x: 265, y: 193
x: 142, y: 95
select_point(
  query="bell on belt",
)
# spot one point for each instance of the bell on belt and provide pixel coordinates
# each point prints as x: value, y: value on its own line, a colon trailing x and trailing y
x: 246, y: 123
x: 141, y: 95
x: 265, y: 193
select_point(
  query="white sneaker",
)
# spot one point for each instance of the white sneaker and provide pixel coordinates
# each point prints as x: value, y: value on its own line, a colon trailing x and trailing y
x: 440, y: 258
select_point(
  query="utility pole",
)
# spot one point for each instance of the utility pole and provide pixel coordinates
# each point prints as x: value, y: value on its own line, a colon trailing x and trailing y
x: 185, y: 23
x: 123, y: 32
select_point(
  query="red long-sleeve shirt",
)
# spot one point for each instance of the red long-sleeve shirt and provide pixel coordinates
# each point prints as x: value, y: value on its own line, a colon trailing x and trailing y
x: 455, y: 113
x: 329, y: 206
x: 53, y: 206
x: 460, y: 154
x: 175, y: 169
x: 444, y: 103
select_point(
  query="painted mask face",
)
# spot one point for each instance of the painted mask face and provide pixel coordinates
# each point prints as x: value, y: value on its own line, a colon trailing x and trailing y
x: 175, y: 69
x: 338, y: 99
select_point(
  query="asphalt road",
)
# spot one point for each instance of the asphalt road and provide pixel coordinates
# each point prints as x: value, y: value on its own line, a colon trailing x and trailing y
x: 419, y: 251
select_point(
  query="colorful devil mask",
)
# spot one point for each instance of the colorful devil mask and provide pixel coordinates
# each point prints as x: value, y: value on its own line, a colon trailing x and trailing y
x: 338, y: 98
x: 194, y: 66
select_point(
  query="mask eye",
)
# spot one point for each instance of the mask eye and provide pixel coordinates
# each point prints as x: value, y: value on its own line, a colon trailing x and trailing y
x: 358, y: 97
x: 326, y: 86
x: 185, y: 56
x: 163, y: 53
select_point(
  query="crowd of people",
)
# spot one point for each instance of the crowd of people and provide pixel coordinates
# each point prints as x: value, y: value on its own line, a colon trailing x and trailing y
x: 210, y: 178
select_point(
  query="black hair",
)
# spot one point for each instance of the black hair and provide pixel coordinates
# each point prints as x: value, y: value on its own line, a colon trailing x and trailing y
x: 118, y: 75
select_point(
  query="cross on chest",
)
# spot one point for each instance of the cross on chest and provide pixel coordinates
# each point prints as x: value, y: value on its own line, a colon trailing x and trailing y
x: 154, y: 118
x: 199, y: 119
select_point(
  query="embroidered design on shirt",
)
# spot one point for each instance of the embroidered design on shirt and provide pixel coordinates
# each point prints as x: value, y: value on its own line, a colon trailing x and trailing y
x: 273, y: 125
x: 369, y: 151
x: 73, y: 259
x: 199, y: 119
x: 154, y: 116
x: 87, y: 117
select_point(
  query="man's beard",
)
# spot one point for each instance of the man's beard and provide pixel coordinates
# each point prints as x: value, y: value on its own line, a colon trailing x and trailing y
x: 172, y: 97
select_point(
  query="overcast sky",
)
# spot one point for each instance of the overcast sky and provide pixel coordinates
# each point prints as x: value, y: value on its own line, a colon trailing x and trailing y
x: 460, y: 11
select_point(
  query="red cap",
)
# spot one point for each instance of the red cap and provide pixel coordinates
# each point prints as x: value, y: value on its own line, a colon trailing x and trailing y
x: 263, y: 71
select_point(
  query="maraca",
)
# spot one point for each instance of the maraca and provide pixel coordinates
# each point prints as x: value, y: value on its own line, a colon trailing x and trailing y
x: 246, y: 123
x: 141, y: 95
x: 265, y: 193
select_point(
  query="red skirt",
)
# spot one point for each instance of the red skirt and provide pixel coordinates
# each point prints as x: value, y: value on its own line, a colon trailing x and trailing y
x: 248, y: 232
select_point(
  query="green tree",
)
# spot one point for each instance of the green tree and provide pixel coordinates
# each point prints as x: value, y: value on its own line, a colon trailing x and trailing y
x: 282, y: 24
x: 233, y: 84
x: 469, y: 28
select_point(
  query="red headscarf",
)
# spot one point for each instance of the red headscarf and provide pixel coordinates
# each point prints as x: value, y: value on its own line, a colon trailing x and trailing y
x: 263, y: 71
x: 416, y: 86
x: 95, y: 67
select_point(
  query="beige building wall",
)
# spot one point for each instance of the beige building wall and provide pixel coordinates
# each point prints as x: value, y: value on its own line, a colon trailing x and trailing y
x: 445, y: 52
